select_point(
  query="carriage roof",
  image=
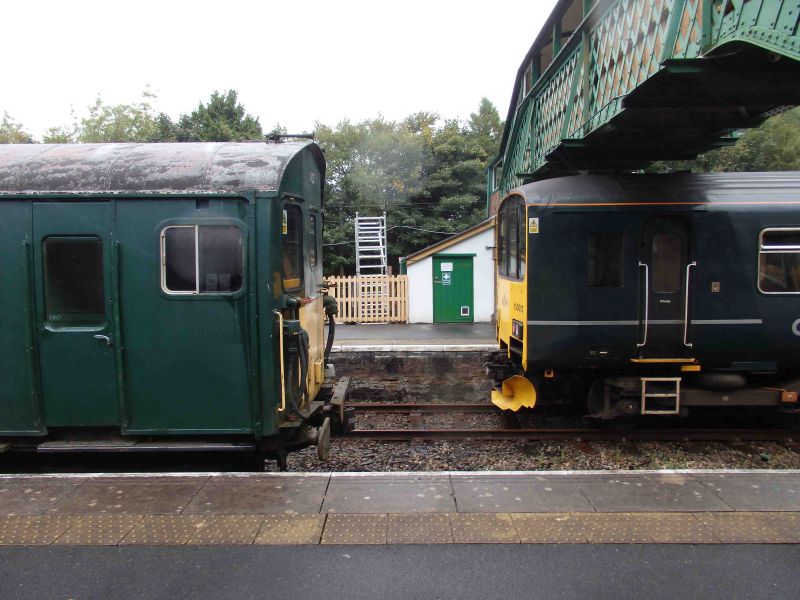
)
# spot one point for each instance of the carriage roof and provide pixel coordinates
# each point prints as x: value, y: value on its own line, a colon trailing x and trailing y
x: 661, y: 189
x: 148, y: 168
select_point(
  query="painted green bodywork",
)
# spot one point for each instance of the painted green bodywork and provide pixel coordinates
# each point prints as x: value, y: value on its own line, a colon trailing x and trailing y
x: 177, y: 364
x: 642, y: 80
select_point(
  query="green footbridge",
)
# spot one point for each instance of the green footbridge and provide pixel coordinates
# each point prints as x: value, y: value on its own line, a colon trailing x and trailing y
x: 611, y: 85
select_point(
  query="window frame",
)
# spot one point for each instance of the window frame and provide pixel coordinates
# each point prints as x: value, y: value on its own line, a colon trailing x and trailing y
x: 61, y: 325
x: 762, y: 249
x: 513, y: 205
x: 300, y: 287
x: 313, y: 246
x: 196, y: 293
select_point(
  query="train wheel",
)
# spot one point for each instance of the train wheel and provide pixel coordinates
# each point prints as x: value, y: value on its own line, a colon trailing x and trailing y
x: 596, y: 405
x: 595, y: 398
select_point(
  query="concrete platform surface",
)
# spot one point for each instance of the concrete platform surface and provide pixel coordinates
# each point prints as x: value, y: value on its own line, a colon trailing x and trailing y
x: 415, y: 337
x: 381, y: 508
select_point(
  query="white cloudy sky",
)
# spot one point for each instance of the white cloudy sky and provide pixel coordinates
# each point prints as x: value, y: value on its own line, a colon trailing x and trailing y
x: 292, y: 62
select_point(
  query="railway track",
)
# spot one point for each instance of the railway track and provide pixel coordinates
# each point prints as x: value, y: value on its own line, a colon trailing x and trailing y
x: 417, y: 429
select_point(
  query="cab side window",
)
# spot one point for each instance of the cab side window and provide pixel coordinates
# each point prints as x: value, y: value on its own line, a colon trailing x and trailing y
x: 292, y: 247
x: 313, y: 240
x: 512, y: 236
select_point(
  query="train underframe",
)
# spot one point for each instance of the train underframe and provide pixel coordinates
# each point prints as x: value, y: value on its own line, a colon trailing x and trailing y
x: 617, y: 395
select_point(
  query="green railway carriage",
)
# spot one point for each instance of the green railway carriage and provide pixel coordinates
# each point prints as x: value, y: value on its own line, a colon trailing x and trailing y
x: 161, y: 297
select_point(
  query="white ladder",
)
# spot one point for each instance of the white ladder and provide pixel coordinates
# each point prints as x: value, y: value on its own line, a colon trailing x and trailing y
x: 371, y: 245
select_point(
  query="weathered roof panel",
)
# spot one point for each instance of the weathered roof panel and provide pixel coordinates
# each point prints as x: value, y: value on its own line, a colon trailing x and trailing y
x: 147, y: 168
x: 672, y: 188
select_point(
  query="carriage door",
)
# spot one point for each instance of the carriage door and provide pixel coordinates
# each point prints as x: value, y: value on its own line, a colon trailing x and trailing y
x: 72, y: 254
x: 664, y: 267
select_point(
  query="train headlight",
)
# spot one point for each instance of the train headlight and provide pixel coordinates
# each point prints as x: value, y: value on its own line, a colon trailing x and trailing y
x: 516, y: 329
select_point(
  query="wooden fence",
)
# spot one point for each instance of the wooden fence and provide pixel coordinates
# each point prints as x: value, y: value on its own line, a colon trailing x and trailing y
x: 370, y: 298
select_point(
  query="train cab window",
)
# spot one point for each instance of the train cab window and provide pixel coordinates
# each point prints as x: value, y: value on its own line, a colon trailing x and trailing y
x: 502, y: 266
x: 667, y: 266
x: 511, y: 238
x: 513, y: 244
x: 312, y: 243
x: 779, y: 261
x: 605, y: 260
x: 292, y: 247
x: 73, y: 281
x: 521, y: 238
x: 202, y: 259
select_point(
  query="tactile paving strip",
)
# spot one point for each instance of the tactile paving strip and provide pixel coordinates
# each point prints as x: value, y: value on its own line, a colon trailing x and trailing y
x: 675, y: 528
x: 549, y: 528
x: 291, y: 529
x: 225, y: 530
x: 32, y: 531
x: 483, y: 528
x: 163, y: 530
x: 98, y: 530
x: 355, y: 529
x: 613, y: 528
x: 786, y: 524
x: 419, y: 529
x: 744, y: 528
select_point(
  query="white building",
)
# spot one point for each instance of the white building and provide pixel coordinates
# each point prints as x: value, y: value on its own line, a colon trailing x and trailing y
x: 452, y: 281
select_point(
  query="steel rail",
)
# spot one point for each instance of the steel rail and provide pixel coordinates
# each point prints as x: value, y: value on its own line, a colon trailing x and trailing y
x: 637, y: 435
x: 424, y: 407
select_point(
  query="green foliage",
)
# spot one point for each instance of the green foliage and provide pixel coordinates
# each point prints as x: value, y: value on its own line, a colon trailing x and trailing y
x: 428, y: 178
x: 12, y: 132
x: 135, y: 122
x: 223, y: 119
x: 773, y: 146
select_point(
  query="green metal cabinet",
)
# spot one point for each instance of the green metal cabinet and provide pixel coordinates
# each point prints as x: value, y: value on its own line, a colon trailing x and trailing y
x: 453, y: 288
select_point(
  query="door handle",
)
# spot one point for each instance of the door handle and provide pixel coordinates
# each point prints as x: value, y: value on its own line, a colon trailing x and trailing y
x: 104, y: 338
x: 646, y: 302
x: 686, y: 341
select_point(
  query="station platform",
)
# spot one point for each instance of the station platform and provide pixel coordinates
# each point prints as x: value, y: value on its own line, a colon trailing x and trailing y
x: 687, y: 507
x: 415, y: 337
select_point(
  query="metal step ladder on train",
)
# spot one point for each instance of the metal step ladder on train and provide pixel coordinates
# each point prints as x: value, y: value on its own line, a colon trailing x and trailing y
x: 664, y: 393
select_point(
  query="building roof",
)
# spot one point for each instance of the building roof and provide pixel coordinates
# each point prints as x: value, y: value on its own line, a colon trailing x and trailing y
x: 451, y: 241
x: 147, y: 168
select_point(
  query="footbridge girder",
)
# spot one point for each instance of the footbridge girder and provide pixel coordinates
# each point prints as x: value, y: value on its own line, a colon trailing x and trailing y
x: 612, y: 85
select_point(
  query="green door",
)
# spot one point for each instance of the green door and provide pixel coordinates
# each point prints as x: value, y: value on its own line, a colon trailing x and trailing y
x: 72, y: 256
x: 452, y: 289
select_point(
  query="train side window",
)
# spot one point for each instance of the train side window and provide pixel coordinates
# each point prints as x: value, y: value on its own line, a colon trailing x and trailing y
x: 667, y: 268
x: 202, y: 259
x: 779, y: 261
x: 605, y: 260
x: 73, y: 281
x: 292, y: 247
x: 312, y: 244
